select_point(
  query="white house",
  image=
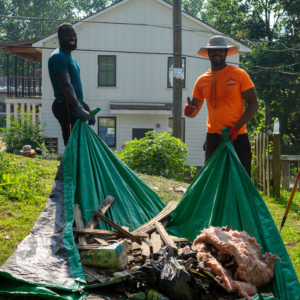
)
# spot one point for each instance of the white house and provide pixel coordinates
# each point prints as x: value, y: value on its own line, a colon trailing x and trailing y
x: 134, y: 91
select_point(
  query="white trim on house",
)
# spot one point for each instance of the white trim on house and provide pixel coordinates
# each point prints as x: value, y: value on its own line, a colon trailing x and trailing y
x: 140, y: 112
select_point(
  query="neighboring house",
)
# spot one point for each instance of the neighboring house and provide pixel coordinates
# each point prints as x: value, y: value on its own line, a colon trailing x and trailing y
x: 134, y: 91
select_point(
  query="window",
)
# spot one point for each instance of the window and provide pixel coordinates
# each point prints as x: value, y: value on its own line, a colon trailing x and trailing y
x: 106, y: 70
x: 140, y: 133
x: 170, y: 72
x: 107, y: 130
x: 182, y: 129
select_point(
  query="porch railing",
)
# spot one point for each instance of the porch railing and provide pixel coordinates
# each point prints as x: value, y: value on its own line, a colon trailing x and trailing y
x: 25, y: 87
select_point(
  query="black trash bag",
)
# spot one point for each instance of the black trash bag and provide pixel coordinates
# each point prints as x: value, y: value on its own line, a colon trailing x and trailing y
x: 162, y: 272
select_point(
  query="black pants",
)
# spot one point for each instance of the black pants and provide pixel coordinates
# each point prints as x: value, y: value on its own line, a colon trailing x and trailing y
x: 241, y: 146
x: 66, y: 116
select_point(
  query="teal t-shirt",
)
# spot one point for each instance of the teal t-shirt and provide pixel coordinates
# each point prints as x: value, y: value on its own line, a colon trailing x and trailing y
x: 60, y: 61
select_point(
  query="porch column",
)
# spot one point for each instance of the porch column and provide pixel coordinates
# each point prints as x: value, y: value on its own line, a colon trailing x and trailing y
x: 22, y: 111
x: 33, y: 113
x: 23, y: 88
x: 16, y: 74
x: 7, y: 115
x: 40, y: 117
x: 28, y: 107
x: 16, y: 108
x: 7, y: 73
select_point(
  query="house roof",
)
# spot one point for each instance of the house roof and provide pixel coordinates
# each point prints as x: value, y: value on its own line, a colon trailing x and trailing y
x: 243, y: 47
x: 26, y: 51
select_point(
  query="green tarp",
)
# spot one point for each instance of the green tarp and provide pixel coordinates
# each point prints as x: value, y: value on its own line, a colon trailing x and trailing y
x: 47, y: 263
x: 223, y: 194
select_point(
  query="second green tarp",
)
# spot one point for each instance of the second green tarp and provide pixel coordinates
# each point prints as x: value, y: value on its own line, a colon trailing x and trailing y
x: 223, y: 194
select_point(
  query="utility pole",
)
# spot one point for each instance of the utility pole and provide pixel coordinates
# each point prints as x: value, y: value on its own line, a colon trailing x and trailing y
x: 177, y: 65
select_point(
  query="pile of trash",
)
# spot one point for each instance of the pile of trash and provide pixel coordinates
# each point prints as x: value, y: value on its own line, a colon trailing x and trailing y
x: 222, y: 263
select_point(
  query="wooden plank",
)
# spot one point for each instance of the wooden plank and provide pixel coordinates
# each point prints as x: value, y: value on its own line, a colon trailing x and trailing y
x: 137, y: 252
x: 164, y: 235
x: 156, y: 242
x: 268, y: 166
x: 117, y: 227
x: 145, y: 250
x: 276, y: 165
x: 264, y: 163
x: 285, y: 174
x: 86, y: 247
x: 104, y: 207
x: 176, y: 239
x: 125, y: 228
x: 109, y: 233
x: 79, y: 224
x: 288, y: 157
x: 150, y: 225
x: 101, y: 242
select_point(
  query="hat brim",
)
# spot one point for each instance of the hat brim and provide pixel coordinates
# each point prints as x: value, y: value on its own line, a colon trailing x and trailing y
x: 231, y: 50
x: 32, y: 150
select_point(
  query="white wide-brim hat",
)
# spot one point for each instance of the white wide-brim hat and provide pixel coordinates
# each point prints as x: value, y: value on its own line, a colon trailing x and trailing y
x: 27, y: 149
x: 220, y: 43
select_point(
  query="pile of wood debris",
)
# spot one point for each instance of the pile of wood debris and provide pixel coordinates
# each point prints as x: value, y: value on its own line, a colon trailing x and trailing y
x: 147, y: 239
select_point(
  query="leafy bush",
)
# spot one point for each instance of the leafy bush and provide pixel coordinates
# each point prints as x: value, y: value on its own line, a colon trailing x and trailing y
x: 22, y: 131
x: 157, y: 154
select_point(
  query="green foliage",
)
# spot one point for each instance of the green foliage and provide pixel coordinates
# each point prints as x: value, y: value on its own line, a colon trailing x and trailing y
x: 22, y: 131
x: 157, y: 154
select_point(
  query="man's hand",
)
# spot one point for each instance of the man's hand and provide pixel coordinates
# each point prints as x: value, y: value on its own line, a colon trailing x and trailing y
x: 233, y: 133
x: 83, y: 114
x: 92, y: 120
x: 191, y: 110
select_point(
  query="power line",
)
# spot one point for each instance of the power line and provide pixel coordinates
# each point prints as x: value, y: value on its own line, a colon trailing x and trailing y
x: 237, y: 38
x: 148, y: 53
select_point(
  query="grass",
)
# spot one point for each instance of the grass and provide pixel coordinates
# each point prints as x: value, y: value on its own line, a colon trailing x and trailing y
x: 22, y: 203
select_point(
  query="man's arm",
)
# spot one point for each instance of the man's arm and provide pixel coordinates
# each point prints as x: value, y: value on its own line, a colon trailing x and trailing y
x: 65, y: 83
x: 251, y: 99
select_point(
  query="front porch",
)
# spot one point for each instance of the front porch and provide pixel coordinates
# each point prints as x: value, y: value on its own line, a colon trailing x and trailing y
x: 23, y: 88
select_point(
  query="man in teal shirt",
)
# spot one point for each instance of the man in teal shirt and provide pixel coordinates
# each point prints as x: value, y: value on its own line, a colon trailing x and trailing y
x: 64, y: 72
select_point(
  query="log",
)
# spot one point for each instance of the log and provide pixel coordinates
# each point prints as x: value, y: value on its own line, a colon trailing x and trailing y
x: 150, y: 225
x: 79, y: 224
x: 109, y: 233
x: 117, y: 227
x: 104, y: 207
x: 164, y: 235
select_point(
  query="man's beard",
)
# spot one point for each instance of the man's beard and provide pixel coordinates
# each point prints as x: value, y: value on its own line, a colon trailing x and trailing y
x: 219, y: 62
x: 68, y: 46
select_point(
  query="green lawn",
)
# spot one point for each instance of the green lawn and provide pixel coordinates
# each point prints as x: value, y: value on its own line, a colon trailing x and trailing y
x: 22, y: 203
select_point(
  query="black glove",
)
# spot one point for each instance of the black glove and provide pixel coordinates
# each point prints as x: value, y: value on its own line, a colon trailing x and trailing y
x: 92, y: 121
x: 83, y: 114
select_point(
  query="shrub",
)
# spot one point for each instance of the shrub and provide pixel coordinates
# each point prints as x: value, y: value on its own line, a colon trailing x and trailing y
x: 157, y: 154
x: 22, y: 131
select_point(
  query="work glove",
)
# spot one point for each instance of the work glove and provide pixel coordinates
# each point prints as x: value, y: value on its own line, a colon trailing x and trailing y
x: 190, y: 110
x: 92, y: 120
x: 233, y: 132
x: 83, y: 114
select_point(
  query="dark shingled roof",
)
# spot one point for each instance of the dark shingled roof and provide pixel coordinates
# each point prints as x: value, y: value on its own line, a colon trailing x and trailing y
x: 141, y: 106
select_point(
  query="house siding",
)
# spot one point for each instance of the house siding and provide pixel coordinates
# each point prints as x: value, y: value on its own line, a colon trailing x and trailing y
x: 140, y: 77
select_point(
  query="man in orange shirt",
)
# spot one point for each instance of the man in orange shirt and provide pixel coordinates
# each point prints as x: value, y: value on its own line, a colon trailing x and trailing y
x: 225, y: 88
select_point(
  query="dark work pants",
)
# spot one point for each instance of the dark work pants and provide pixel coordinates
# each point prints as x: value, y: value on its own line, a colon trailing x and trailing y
x: 241, y: 146
x: 66, y: 116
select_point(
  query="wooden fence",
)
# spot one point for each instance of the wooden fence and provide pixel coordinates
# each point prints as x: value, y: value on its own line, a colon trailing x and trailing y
x: 267, y: 172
